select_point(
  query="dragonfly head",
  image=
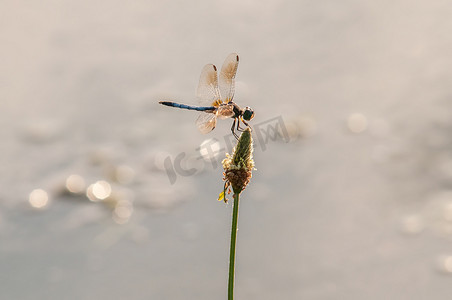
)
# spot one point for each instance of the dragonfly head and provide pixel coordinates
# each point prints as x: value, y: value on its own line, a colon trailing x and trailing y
x: 248, y: 113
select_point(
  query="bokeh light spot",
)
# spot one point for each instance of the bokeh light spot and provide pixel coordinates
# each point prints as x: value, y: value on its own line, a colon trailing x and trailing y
x: 99, y: 190
x: 412, y: 224
x: 124, y: 174
x: 75, y: 184
x: 444, y: 264
x: 122, y: 212
x: 38, y: 198
x: 357, y: 123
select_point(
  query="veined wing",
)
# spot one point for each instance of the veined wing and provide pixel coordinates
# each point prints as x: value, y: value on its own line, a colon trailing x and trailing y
x: 227, y: 75
x: 206, y: 122
x: 208, y: 92
x: 225, y: 111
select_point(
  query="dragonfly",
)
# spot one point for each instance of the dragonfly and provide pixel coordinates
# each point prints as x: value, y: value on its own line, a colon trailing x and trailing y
x: 215, y: 95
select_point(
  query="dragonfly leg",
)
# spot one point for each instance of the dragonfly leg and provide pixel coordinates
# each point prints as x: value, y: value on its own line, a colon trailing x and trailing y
x: 247, y: 125
x: 233, y: 130
x: 238, y: 126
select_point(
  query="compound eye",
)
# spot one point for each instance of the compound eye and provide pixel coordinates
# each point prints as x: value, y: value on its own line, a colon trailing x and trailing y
x: 248, y: 114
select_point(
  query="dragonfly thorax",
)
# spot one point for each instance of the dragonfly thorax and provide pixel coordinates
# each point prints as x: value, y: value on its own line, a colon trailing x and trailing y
x: 236, y: 110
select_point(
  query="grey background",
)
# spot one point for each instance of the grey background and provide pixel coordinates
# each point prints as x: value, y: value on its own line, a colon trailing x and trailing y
x: 335, y: 213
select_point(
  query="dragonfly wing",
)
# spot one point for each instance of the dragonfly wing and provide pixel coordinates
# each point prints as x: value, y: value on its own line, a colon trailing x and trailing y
x: 227, y: 76
x: 208, y: 92
x: 225, y: 111
x: 206, y: 122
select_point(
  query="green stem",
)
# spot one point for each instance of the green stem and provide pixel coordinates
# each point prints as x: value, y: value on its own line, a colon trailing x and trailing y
x: 235, y: 217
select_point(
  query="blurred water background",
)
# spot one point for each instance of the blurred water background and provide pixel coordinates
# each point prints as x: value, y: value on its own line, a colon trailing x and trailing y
x: 104, y: 194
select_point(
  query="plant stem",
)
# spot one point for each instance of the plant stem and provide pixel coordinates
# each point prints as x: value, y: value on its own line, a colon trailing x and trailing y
x: 235, y: 217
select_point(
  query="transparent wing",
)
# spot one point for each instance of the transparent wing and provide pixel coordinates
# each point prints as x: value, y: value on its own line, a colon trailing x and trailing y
x: 206, y: 122
x: 208, y: 92
x: 227, y: 75
x: 225, y: 111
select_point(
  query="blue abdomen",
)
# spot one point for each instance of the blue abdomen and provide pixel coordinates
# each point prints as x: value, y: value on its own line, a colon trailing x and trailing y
x: 198, y: 108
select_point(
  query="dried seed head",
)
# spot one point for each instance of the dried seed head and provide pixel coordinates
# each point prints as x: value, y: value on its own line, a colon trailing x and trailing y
x: 238, y: 167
